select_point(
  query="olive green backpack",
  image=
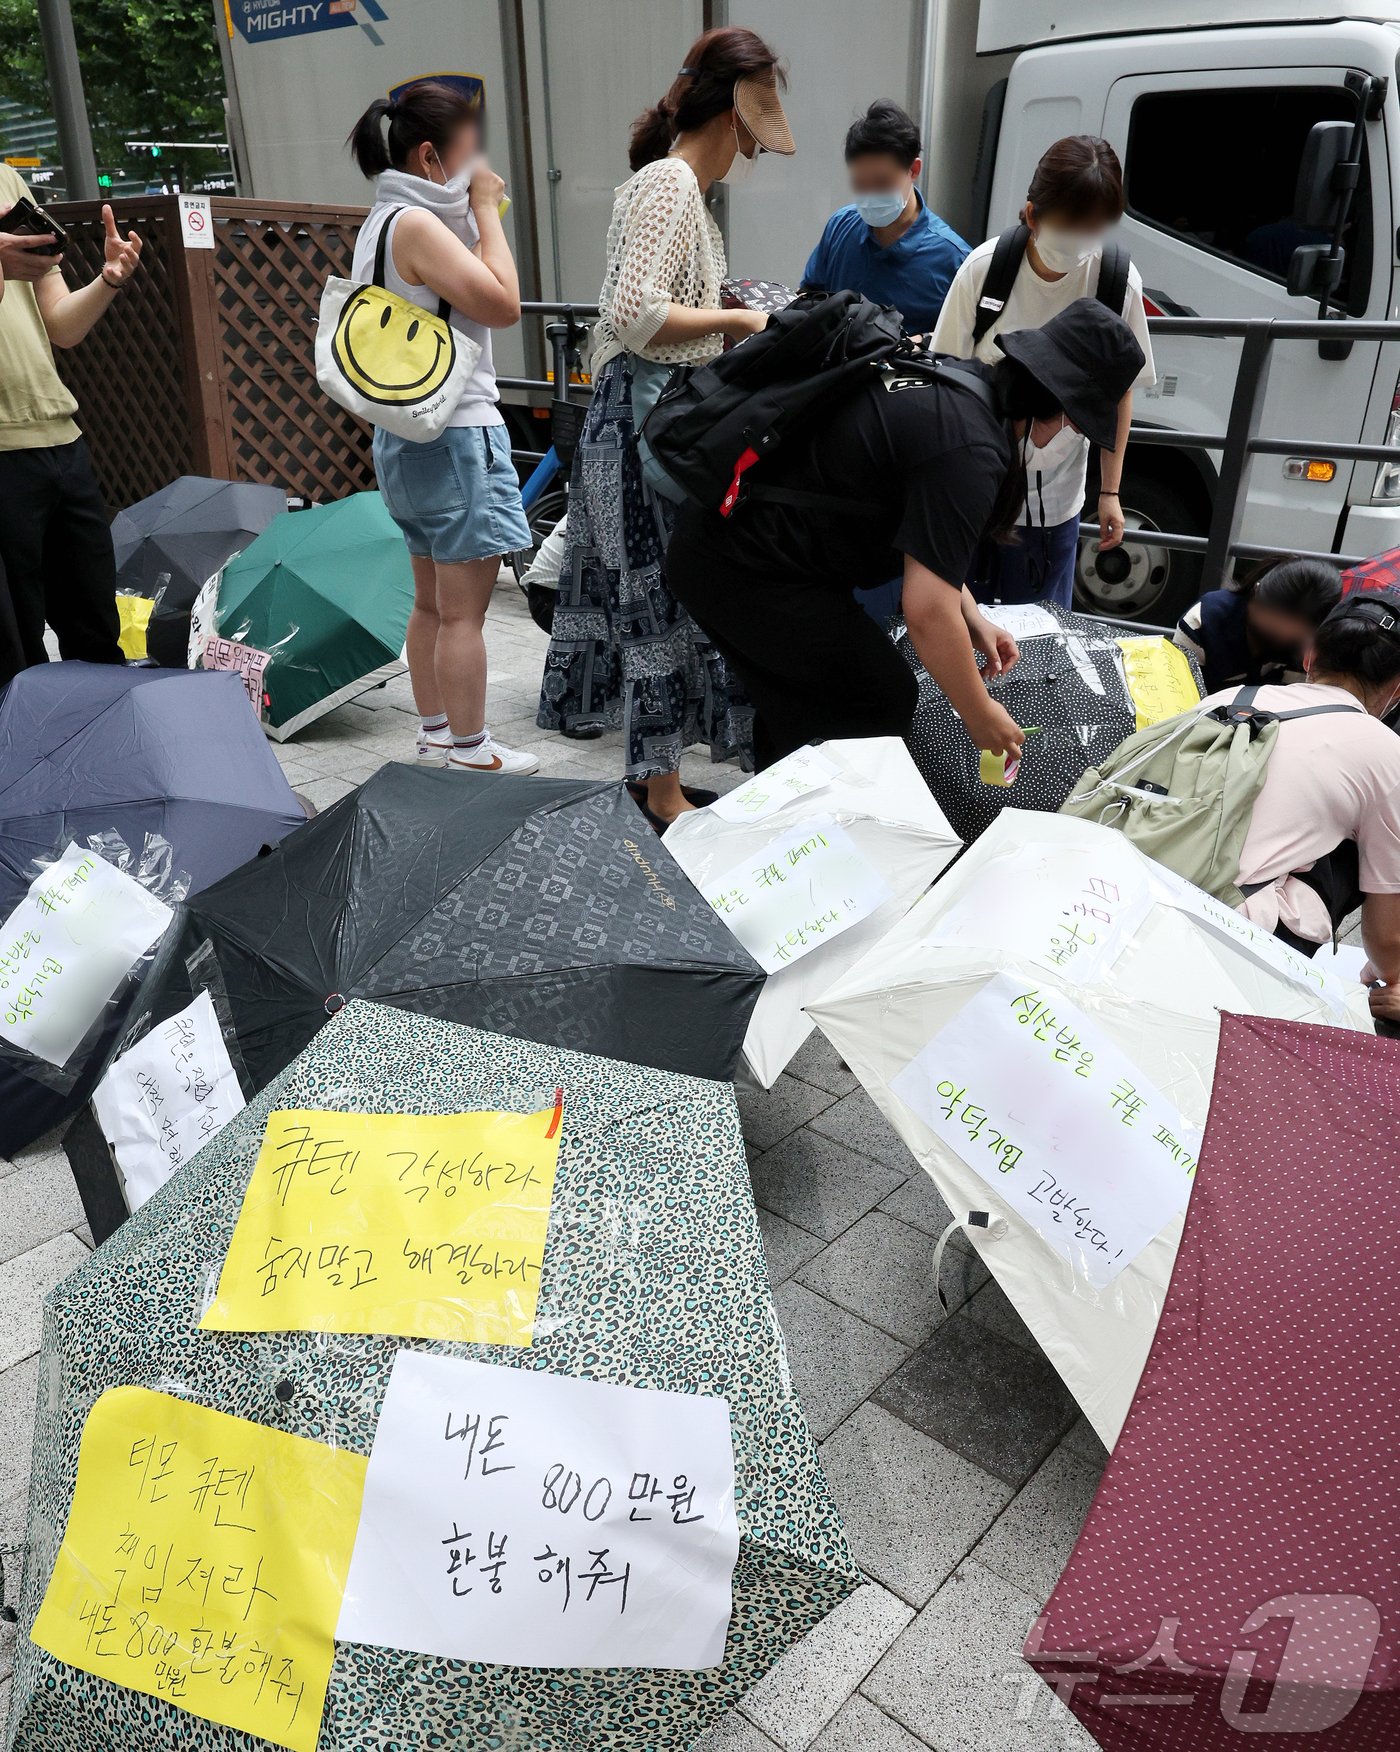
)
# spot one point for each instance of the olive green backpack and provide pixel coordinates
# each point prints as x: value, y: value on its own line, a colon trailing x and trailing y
x: 1183, y: 790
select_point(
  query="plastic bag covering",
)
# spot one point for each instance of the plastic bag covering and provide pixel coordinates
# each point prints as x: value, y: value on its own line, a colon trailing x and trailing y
x: 92, y: 748
x: 1071, y: 912
x: 133, y: 621
x: 653, y: 1278
x: 1236, y: 1573
x: 87, y: 928
x: 875, y: 794
x: 1073, y: 684
x: 314, y: 611
x: 168, y: 545
x: 538, y: 907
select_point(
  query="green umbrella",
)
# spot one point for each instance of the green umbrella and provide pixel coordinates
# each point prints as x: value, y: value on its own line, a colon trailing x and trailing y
x: 314, y: 610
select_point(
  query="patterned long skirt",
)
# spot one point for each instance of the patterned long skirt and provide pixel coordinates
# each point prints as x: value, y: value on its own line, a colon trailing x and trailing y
x: 624, y: 654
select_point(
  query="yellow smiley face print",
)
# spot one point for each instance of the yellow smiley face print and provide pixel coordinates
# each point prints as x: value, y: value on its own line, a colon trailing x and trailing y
x: 390, y: 350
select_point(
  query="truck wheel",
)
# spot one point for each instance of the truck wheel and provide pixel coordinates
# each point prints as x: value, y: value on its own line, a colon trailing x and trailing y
x: 1139, y: 583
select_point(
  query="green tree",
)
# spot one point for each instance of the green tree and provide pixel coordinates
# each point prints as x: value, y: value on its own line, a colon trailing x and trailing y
x: 151, y: 69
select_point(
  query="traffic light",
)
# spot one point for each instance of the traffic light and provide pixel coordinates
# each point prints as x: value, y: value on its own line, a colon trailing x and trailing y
x: 155, y: 152
x: 104, y: 181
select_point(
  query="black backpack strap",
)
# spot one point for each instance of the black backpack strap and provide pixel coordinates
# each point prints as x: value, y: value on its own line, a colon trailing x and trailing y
x: 1242, y: 709
x: 1002, y: 270
x: 1112, y: 288
x: 381, y: 247
x: 812, y: 501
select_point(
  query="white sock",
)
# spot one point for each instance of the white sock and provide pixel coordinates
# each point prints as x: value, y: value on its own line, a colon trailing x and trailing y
x: 436, y: 729
x: 462, y: 745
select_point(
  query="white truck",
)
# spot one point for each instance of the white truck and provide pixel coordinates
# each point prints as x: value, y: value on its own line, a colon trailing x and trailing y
x: 1210, y: 104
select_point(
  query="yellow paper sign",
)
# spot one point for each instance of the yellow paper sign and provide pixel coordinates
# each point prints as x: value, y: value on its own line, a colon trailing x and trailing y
x: 420, y: 1225
x: 204, y: 1562
x: 1159, y: 679
x: 134, y: 619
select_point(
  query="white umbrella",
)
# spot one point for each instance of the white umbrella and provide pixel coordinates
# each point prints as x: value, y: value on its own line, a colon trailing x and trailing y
x: 810, y: 863
x: 1041, y: 1030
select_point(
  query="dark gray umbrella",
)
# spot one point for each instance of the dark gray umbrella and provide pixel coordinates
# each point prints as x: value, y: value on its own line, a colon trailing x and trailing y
x: 174, y: 542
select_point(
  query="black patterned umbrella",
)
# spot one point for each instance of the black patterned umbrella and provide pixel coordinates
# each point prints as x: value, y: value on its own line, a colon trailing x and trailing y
x: 1072, y: 685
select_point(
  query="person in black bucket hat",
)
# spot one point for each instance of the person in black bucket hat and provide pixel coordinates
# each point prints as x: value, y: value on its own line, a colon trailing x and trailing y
x: 935, y: 463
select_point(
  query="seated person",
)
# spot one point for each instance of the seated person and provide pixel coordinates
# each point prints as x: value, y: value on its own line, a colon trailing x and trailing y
x: 886, y: 244
x: 934, y: 463
x: 1260, y: 630
x: 1331, y: 788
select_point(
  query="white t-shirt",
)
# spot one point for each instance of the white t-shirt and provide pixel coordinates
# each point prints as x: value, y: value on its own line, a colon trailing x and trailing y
x: 477, y: 406
x: 1062, y: 464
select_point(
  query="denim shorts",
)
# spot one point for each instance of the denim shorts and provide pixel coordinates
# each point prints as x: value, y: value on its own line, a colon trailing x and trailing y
x: 456, y: 498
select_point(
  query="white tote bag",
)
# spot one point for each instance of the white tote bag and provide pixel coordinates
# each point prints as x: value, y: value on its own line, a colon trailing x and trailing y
x: 387, y: 359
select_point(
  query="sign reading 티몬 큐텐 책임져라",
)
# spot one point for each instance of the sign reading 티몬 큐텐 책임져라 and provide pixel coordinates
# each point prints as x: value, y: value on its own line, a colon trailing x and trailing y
x: 797, y: 892
x: 165, y: 1097
x: 244, y: 660
x: 66, y: 948
x: 204, y: 1562
x: 540, y: 1521
x: 420, y: 1225
x: 796, y: 775
x: 1057, y: 906
x: 1038, y: 1101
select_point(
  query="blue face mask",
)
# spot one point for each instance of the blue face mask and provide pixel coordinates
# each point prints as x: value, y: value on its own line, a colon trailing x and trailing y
x: 881, y: 209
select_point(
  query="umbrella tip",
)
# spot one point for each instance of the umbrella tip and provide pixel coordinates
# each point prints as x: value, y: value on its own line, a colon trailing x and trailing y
x: 284, y: 1391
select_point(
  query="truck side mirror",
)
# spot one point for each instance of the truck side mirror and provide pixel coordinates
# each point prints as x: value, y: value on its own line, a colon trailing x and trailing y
x: 1313, y: 271
x: 1324, y: 176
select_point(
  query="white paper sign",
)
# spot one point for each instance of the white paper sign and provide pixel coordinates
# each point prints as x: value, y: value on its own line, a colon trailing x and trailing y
x: 1039, y: 1102
x: 165, y: 1098
x: 196, y: 222
x: 1059, y: 906
x: 799, y: 891
x: 797, y: 775
x: 1023, y: 620
x: 515, y: 1516
x: 66, y: 948
x: 1262, y: 945
x: 1344, y: 959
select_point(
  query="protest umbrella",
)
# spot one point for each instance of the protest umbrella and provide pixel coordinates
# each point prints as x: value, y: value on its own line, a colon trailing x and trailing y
x: 652, y: 1277
x: 840, y: 891
x: 314, y: 611
x: 171, y: 544
x: 543, y: 908
x: 90, y: 751
x: 1082, y: 685
x: 1041, y: 1030
x: 1257, y: 1475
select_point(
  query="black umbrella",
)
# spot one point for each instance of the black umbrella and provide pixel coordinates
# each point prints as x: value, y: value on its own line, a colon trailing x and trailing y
x: 1071, y: 684
x: 541, y: 908
x: 176, y: 540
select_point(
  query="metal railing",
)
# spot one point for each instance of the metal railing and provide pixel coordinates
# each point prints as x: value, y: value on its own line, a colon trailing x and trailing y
x: 1241, y: 440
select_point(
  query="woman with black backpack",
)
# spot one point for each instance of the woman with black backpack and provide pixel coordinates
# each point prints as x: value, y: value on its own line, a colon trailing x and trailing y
x: 623, y: 653
x: 1061, y: 250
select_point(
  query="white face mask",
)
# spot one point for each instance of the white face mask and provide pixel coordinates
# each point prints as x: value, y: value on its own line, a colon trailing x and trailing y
x: 742, y: 166
x: 1062, y: 251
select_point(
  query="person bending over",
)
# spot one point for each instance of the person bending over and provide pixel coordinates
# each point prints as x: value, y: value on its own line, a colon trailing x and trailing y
x: 934, y: 462
x: 1259, y: 632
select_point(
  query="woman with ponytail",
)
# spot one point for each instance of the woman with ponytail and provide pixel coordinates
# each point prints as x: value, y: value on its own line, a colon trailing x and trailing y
x: 456, y: 497
x: 624, y: 653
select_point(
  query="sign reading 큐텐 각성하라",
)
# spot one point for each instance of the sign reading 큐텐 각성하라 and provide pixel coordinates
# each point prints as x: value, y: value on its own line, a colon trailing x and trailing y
x: 190, y: 1569
x: 419, y: 1225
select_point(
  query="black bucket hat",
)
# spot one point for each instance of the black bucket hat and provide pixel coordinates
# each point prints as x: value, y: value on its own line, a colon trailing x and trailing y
x: 1087, y: 358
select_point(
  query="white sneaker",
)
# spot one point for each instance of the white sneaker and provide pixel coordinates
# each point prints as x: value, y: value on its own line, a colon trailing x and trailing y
x: 491, y: 756
x: 432, y: 750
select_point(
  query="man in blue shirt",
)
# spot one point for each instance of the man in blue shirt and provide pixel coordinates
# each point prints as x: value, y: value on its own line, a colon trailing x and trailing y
x: 886, y: 243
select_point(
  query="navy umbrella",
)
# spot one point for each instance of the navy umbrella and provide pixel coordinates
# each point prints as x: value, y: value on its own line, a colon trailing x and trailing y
x: 89, y: 749
x: 173, y: 542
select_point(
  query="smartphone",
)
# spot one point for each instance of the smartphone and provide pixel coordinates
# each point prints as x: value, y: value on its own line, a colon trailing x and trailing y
x: 31, y: 221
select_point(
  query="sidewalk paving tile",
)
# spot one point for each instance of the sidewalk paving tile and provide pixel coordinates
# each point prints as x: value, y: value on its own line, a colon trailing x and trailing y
x: 860, y: 1727
x: 858, y: 1123
x: 956, y: 1678
x: 918, y: 1201
x: 819, y: 1185
x: 991, y: 1307
x: 734, y: 1734
x: 913, y: 1509
x: 1030, y: 1543
x: 796, y: 1699
x: 990, y: 1401
x: 770, y: 1115
x: 817, y: 1061
x: 39, y: 1203
x: 882, y: 1269
x: 24, y: 1283
x: 785, y: 1246
x: 19, y: 1388
x: 837, y: 1360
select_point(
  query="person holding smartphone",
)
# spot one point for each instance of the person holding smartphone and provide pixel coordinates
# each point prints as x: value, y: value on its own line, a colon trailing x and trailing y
x: 55, y: 534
